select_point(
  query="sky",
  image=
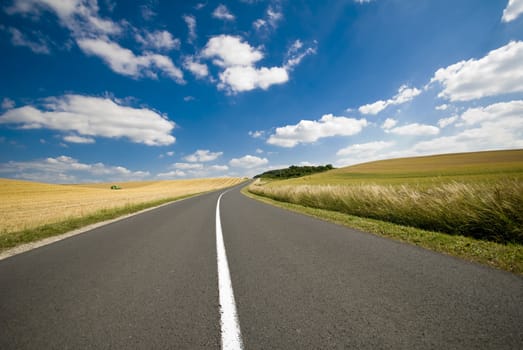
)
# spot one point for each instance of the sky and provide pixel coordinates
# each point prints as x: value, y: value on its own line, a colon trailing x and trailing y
x: 112, y: 90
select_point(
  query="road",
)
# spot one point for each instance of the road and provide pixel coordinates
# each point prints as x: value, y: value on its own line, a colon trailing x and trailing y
x: 151, y: 282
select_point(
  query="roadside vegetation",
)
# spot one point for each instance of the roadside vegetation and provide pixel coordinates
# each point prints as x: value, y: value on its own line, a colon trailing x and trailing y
x: 476, y: 195
x: 30, y: 211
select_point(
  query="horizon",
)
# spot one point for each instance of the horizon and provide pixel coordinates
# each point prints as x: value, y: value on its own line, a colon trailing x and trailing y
x: 100, y: 91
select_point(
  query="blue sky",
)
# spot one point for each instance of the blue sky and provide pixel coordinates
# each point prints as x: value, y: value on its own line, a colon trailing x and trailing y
x: 118, y: 90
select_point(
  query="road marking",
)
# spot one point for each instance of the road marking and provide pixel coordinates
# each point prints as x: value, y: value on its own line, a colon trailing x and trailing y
x: 231, y: 334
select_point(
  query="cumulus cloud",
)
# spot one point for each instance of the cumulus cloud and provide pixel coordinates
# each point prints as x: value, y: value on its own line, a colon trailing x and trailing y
x: 94, y: 117
x: 65, y: 169
x: 158, y: 40
x: 248, y: 162
x: 389, y: 123
x: 200, y: 70
x: 308, y: 131
x: 442, y: 107
x: 405, y: 94
x: 513, y: 10
x: 203, y: 155
x: 499, y: 72
x: 270, y: 21
x: 496, y: 112
x: 415, y: 129
x: 297, y: 53
x: 256, y: 134
x: 238, y: 59
x: 223, y: 13
x: 124, y: 61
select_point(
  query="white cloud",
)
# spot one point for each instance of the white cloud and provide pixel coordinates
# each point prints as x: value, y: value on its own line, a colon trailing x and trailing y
x: 223, y: 13
x: 158, y: 40
x: 187, y: 166
x: 203, y: 155
x: 65, y: 169
x: 513, y: 10
x: 259, y: 151
x: 230, y: 51
x: 442, y: 107
x: 78, y: 139
x: 256, y: 134
x: 194, y: 170
x: 7, y: 103
x: 494, y: 112
x: 191, y: 27
x: 94, y: 117
x: 273, y: 16
x: 238, y: 59
x: 389, y: 123
x: 444, y: 122
x: 200, y: 70
x: 405, y: 94
x: 39, y: 45
x: 308, y: 131
x: 248, y: 162
x: 172, y: 174
x: 415, y: 129
x: 365, y: 148
x: 79, y: 16
x: 296, y: 54
x: 499, y: 72
x: 124, y: 61
x: 246, y: 78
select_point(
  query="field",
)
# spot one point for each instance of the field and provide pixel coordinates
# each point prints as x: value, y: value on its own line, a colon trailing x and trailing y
x: 27, y: 206
x: 477, y: 195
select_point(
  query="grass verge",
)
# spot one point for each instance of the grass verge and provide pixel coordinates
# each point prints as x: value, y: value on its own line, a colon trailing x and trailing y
x: 13, y: 239
x: 507, y: 257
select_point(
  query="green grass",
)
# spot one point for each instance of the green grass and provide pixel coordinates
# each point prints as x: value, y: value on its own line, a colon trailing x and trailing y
x: 507, y: 257
x: 14, y: 239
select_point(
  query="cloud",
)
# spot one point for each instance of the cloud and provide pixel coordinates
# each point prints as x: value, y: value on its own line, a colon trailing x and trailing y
x: 272, y: 17
x: 158, y: 40
x: 513, y: 10
x: 94, y: 117
x: 444, y: 122
x: 230, y: 51
x: 248, y: 162
x: 240, y: 78
x: 203, y: 155
x: 296, y: 54
x: 78, y: 139
x: 308, y: 131
x: 124, y: 61
x: 65, y: 169
x: 499, y: 72
x: 492, y: 113
x: 194, y: 170
x: 389, y: 123
x: 405, y: 94
x: 256, y: 134
x: 415, y: 129
x: 238, y: 59
x: 442, y: 107
x: 365, y: 148
x: 200, y: 70
x: 223, y: 13
x: 79, y: 16
x: 40, y: 46
x: 7, y: 103
x: 191, y: 27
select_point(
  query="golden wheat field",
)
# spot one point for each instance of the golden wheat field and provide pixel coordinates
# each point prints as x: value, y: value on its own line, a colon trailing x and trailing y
x: 25, y: 205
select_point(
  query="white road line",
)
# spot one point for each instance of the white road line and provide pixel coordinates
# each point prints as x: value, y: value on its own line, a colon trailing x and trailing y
x: 231, y: 334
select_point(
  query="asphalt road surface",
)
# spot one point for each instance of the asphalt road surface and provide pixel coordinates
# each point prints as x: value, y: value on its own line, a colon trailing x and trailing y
x: 152, y: 281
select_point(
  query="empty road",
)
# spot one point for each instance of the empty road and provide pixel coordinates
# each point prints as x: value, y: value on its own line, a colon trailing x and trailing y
x: 264, y: 279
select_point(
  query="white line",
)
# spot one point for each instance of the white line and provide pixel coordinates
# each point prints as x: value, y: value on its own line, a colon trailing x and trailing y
x: 231, y: 335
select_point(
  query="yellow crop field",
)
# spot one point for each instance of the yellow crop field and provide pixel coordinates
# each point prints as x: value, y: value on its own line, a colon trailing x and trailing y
x: 26, y: 205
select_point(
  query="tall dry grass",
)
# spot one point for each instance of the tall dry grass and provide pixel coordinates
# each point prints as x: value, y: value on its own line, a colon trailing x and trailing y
x: 489, y: 211
x: 26, y: 205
